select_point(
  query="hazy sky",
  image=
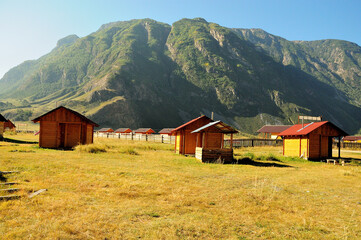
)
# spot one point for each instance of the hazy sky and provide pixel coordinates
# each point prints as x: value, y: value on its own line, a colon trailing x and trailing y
x: 31, y: 28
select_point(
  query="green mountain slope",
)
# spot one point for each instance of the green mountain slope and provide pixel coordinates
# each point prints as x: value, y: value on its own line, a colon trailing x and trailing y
x: 142, y: 73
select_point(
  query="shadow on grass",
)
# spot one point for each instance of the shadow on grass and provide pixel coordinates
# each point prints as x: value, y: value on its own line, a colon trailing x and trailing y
x: 2, y: 178
x: 248, y: 161
x: 18, y: 141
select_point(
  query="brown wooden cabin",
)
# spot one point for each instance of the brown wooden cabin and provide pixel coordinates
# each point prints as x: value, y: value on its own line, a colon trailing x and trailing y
x: 166, y: 131
x: 64, y: 128
x: 311, y: 141
x: 185, y: 141
x: 144, y: 131
x: 210, y: 142
x: 124, y: 131
x: 2, y: 125
x: 105, y: 130
x: 9, y: 125
x: 272, y: 131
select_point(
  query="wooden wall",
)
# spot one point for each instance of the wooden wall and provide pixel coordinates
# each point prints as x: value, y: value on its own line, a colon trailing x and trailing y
x: 315, y: 145
x: 185, y: 140
x: 2, y: 129
x: 64, y: 129
x: 296, y: 146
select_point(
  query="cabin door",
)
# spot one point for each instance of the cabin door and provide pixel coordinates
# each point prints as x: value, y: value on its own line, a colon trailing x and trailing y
x: 73, y: 135
x: 62, y: 134
x: 330, y: 147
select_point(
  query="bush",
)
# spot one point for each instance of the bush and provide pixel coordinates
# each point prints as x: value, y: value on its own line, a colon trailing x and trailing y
x: 91, y: 148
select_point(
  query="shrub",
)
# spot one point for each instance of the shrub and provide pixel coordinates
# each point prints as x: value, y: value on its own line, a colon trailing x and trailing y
x: 91, y: 148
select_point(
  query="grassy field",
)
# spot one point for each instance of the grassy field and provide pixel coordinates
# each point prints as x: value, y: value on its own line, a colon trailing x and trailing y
x: 118, y: 189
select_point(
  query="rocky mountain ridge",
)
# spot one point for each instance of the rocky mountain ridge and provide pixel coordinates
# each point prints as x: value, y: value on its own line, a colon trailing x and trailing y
x: 143, y: 73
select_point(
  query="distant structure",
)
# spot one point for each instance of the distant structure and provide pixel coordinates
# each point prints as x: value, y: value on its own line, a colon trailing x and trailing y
x: 142, y: 131
x: 311, y: 141
x: 166, y: 131
x: 105, y: 130
x: 356, y: 139
x: 64, y: 128
x: 123, y: 131
x: 272, y: 131
x: 2, y: 125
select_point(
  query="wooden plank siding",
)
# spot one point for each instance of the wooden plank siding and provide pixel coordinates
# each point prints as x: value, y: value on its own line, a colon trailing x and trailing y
x: 312, y: 141
x: 2, y: 129
x: 186, y: 141
x: 64, y: 128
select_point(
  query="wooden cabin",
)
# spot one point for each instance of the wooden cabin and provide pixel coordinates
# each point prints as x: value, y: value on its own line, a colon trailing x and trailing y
x: 9, y: 125
x: 64, y: 128
x: 210, y: 142
x: 353, y: 139
x: 123, y: 131
x: 272, y: 131
x: 142, y: 131
x: 2, y: 125
x: 105, y: 130
x: 166, y: 131
x: 185, y: 141
x: 311, y: 141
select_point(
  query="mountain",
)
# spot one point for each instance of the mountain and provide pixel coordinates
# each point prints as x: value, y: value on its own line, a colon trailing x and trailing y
x: 143, y: 73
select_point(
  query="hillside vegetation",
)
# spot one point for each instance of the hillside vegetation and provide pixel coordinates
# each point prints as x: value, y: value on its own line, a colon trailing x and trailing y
x: 131, y: 190
x: 143, y: 73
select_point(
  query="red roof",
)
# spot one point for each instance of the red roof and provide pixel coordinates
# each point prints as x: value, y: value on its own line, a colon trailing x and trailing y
x: 123, y: 130
x: 191, y: 121
x: 144, y: 130
x: 273, y: 128
x: 352, y: 138
x: 166, y: 131
x: 105, y: 130
x: 298, y: 130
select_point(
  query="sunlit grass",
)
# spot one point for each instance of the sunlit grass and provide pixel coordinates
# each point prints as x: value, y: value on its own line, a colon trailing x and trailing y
x: 143, y: 190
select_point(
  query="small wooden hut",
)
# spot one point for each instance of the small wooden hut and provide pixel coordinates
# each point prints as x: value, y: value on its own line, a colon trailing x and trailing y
x: 210, y: 142
x: 144, y: 131
x: 166, y: 131
x: 185, y: 141
x: 2, y: 125
x: 272, y: 131
x: 123, y: 131
x: 352, y: 139
x: 9, y: 125
x: 64, y: 128
x: 311, y: 141
x: 105, y: 130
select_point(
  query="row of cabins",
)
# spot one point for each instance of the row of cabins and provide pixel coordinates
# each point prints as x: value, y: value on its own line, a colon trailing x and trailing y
x: 202, y: 136
x: 139, y: 131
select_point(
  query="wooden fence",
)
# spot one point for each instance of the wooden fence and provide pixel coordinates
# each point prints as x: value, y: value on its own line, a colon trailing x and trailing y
x: 139, y: 137
x: 237, y: 143
x: 353, y: 145
x: 253, y: 142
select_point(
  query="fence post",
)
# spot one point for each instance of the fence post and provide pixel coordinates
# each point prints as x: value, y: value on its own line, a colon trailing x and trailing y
x: 162, y: 139
x: 132, y: 136
x: 146, y: 137
x: 107, y: 135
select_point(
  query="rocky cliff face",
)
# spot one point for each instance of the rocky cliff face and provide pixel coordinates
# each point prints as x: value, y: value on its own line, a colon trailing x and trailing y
x: 143, y: 73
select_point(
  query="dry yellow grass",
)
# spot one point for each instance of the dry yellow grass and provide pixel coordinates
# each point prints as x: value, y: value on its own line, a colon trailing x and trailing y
x: 144, y: 190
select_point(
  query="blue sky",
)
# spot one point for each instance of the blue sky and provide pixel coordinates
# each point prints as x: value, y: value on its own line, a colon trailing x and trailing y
x: 31, y: 28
